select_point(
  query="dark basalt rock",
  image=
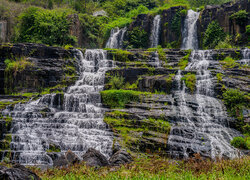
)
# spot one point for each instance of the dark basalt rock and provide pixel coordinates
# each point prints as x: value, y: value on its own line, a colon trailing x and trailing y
x: 120, y: 157
x: 71, y: 157
x: 94, y: 158
x: 17, y: 172
x: 47, y: 69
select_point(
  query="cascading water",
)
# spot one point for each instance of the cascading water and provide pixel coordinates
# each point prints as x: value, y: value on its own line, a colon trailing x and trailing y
x: 246, y: 57
x: 202, y: 122
x: 76, y: 124
x: 154, y: 38
x: 116, y: 38
x: 189, y: 33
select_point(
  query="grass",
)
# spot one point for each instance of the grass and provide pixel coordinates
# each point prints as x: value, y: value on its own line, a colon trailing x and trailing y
x: 119, y: 98
x: 155, y: 167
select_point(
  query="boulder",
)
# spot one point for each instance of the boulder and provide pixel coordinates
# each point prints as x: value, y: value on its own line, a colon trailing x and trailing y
x: 94, y: 158
x: 71, y: 157
x: 120, y: 157
x: 17, y: 172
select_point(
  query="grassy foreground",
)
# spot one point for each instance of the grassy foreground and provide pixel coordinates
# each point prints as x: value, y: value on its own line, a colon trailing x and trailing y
x: 156, y: 168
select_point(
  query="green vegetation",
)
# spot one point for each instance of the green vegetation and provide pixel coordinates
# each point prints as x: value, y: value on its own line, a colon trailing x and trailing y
x: 184, y: 61
x: 190, y: 81
x: 155, y: 167
x: 119, y: 98
x: 169, y: 80
x: 235, y: 102
x: 54, y: 148
x: 219, y: 77
x: 116, y: 82
x: 18, y: 65
x: 45, y: 26
x: 120, y: 55
x: 228, y: 62
x: 240, y: 142
x: 241, y: 17
x: 138, y: 38
x: 213, y: 35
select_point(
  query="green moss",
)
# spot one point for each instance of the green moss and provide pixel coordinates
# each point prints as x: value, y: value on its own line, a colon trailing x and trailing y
x: 120, y: 55
x: 54, y: 148
x: 119, y: 98
x: 169, y: 81
x: 219, y: 77
x: 184, y: 61
x: 229, y: 63
x: 190, y: 81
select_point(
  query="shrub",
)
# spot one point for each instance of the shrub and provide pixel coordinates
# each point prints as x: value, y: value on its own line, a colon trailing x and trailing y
x: 219, y: 77
x: 116, y: 82
x: 45, y: 26
x: 239, y: 142
x: 213, y: 35
x: 138, y: 38
x: 184, y: 61
x: 236, y: 101
x: 229, y: 62
x: 226, y: 44
x: 118, y: 98
x: 241, y: 17
x: 190, y: 81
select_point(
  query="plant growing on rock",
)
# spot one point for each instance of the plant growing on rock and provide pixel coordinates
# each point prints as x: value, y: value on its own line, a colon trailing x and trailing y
x: 138, y: 38
x: 240, y: 142
x: 116, y: 82
x: 241, y: 17
x: 213, y: 35
x: 228, y: 62
x: 190, y: 81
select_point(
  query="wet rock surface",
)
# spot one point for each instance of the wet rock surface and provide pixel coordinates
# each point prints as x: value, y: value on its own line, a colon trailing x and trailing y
x: 17, y: 172
x: 94, y: 158
x: 47, y: 66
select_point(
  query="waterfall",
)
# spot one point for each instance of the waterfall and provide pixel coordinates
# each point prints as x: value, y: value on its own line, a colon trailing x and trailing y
x: 154, y: 38
x: 202, y: 122
x: 76, y: 124
x: 245, y: 57
x: 189, y: 33
x: 116, y: 38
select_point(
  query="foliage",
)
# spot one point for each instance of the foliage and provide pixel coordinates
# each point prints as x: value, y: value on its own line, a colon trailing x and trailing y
x: 176, y: 23
x: 236, y: 101
x: 119, y: 98
x: 239, y: 142
x: 117, y: 82
x: 198, y: 3
x: 138, y: 38
x: 184, y: 61
x: 120, y: 55
x: 241, y: 17
x: 190, y: 81
x: 219, y: 77
x: 45, y: 26
x: 213, y: 35
x: 229, y: 62
x: 18, y: 65
x: 226, y: 44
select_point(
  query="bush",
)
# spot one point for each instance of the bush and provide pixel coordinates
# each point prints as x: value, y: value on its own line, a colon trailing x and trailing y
x: 45, y: 26
x: 119, y: 98
x: 239, y: 142
x: 241, y: 17
x: 190, y: 81
x: 213, y: 35
x: 228, y: 62
x: 116, y: 82
x: 138, y: 38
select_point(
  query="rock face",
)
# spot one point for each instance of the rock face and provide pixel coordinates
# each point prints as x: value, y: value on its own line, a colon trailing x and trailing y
x: 171, y: 26
x: 142, y: 126
x: 76, y: 29
x: 222, y: 14
x: 17, y: 172
x: 94, y: 158
x: 3, y: 31
x: 46, y: 67
x: 120, y: 157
